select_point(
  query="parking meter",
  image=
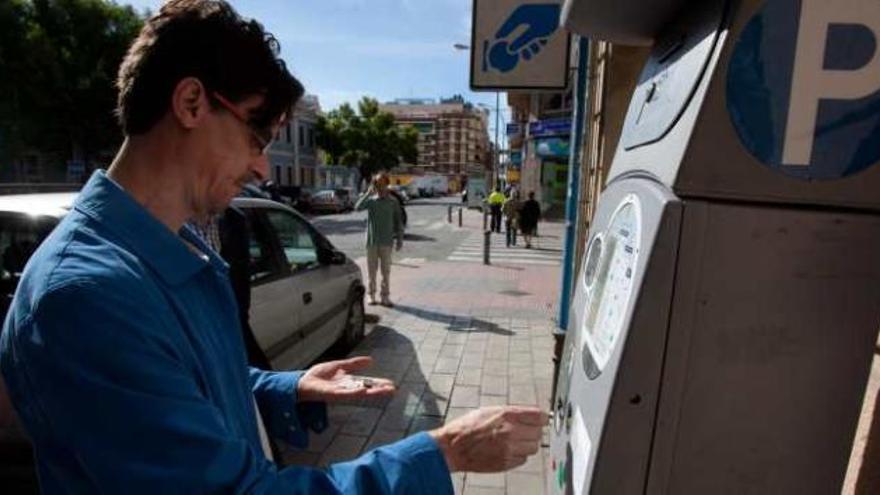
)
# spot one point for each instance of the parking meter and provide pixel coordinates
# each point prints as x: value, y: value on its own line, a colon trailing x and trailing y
x: 726, y: 312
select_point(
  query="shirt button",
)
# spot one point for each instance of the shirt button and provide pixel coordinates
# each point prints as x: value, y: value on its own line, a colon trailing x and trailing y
x: 287, y: 415
x: 292, y: 429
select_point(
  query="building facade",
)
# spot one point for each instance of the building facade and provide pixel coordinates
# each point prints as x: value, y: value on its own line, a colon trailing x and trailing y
x: 293, y: 156
x: 453, y: 134
x: 538, y: 137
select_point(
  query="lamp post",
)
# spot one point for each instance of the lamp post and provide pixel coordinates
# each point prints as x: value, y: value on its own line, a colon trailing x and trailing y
x: 495, y: 156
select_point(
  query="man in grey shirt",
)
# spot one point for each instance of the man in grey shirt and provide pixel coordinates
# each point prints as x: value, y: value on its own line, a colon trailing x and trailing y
x: 383, y: 226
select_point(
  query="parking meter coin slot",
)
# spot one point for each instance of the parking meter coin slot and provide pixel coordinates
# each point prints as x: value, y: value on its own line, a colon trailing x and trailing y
x: 671, y: 75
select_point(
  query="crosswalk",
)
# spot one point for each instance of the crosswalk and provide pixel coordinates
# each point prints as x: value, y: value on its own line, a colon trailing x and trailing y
x: 545, y: 250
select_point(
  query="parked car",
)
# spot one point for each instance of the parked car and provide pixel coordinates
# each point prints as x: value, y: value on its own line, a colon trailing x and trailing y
x: 347, y: 196
x: 305, y: 295
x: 328, y: 200
x: 297, y: 197
x: 402, y: 195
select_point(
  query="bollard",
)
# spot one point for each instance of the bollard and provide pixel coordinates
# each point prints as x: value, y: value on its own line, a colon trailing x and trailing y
x: 487, y: 238
x: 459, y: 217
x: 449, y: 214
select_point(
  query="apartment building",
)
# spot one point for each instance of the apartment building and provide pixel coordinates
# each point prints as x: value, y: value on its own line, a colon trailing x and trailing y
x: 453, y: 134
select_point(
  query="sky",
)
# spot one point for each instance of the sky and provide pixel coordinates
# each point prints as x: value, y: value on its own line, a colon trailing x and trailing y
x: 345, y: 49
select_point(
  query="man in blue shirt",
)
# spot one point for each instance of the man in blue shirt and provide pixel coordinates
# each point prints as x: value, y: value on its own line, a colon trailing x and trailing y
x: 121, y: 351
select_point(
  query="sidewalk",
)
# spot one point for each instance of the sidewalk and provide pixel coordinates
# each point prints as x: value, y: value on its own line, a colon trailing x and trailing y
x: 461, y: 335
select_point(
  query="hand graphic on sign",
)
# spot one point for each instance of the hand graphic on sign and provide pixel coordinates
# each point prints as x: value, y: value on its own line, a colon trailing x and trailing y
x: 534, y: 23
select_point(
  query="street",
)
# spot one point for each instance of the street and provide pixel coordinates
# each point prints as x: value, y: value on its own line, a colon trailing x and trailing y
x: 429, y: 237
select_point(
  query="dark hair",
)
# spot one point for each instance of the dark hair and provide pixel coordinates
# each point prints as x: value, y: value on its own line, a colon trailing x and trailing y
x: 208, y: 40
x: 531, y: 194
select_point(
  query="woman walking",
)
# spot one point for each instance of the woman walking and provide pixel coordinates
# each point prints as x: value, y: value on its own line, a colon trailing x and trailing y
x: 528, y: 218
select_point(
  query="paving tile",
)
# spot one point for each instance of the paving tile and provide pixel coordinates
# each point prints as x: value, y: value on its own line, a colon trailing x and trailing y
x: 493, y: 385
x: 464, y: 396
x: 362, y: 421
x: 458, y: 483
x: 525, y: 484
x: 432, y: 404
x: 495, y: 367
x: 338, y: 414
x: 447, y: 365
x: 440, y: 384
x: 452, y: 351
x: 492, y: 480
x: 469, y: 375
x: 318, y: 442
x: 522, y: 395
x: 493, y: 400
x: 482, y: 490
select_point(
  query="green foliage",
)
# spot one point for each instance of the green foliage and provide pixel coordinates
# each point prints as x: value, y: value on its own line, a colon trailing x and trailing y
x: 368, y: 139
x: 58, y: 60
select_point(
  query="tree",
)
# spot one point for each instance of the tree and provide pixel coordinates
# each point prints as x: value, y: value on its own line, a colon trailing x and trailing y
x: 59, y: 60
x: 368, y: 139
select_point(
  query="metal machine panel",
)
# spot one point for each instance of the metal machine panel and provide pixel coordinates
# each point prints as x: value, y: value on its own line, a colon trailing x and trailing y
x: 622, y: 292
x: 773, y: 327
x: 751, y: 128
x: 626, y: 22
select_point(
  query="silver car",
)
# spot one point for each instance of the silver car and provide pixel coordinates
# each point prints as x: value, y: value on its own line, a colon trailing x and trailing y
x: 305, y: 295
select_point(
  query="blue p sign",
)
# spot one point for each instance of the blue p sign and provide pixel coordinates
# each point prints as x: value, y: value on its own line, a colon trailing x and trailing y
x: 803, y: 87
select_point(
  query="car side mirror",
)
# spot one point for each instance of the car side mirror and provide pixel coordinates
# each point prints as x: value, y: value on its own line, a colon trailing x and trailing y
x: 327, y: 256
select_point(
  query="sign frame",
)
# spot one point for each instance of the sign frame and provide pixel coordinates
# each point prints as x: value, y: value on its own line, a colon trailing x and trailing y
x: 561, y: 85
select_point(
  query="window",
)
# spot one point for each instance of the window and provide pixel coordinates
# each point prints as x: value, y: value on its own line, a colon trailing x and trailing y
x: 295, y: 239
x: 277, y: 178
x: 262, y: 263
x: 287, y: 131
x: 302, y: 135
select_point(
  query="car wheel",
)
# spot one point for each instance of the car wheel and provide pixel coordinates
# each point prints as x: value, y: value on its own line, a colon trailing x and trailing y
x: 354, y: 323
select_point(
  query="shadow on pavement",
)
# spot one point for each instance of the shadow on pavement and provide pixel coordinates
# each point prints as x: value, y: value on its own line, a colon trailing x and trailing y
x: 455, y: 323
x: 418, y: 238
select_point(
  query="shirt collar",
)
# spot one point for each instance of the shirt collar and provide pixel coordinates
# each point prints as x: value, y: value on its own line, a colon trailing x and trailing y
x: 112, y: 207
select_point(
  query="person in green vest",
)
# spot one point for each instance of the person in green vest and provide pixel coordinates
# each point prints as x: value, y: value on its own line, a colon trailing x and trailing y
x: 384, y: 225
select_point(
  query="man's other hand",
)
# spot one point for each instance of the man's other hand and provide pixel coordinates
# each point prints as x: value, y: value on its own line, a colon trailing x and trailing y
x: 491, y: 439
x: 399, y: 244
x: 334, y: 380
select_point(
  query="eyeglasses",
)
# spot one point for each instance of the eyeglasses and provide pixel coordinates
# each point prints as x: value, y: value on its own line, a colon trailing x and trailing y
x: 262, y: 137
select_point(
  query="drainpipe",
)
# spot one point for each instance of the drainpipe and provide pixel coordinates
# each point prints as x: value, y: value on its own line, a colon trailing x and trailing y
x: 574, y: 180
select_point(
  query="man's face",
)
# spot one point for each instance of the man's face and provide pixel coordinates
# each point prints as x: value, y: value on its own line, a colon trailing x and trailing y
x: 231, y: 156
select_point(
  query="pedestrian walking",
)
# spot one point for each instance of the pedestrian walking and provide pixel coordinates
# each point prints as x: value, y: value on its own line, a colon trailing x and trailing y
x: 496, y: 201
x: 529, y: 215
x: 121, y: 350
x: 384, y: 232
x: 511, y: 209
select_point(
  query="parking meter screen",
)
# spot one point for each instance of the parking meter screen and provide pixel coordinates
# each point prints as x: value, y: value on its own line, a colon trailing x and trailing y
x: 613, y: 284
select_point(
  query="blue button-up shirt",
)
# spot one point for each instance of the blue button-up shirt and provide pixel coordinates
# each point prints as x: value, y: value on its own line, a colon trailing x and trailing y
x: 123, y: 357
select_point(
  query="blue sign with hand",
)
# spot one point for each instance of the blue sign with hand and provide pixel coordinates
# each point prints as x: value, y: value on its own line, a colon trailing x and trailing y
x: 803, y: 87
x: 521, y: 37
